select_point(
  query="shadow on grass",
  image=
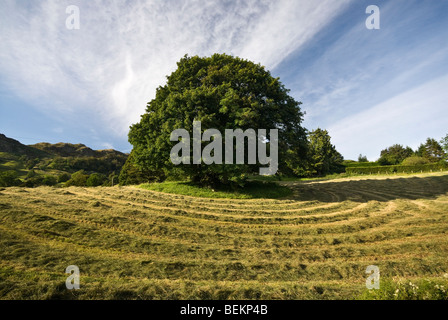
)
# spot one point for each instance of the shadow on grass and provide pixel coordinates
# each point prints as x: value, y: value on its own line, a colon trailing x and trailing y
x: 412, y: 188
x: 252, y: 190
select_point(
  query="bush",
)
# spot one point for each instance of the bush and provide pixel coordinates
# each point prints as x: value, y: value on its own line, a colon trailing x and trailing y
x: 64, y: 177
x: 9, y: 179
x: 49, y: 180
x: 95, y: 179
x: 414, y: 161
x: 78, y: 179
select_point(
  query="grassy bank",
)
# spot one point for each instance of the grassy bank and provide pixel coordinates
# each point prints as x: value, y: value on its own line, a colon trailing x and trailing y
x: 252, y: 190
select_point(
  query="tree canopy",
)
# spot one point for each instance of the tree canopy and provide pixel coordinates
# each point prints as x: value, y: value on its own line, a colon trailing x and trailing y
x: 394, y: 154
x: 431, y: 150
x: 323, y: 157
x: 223, y: 92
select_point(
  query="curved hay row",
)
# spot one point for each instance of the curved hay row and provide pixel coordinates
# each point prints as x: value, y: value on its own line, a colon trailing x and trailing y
x: 326, y: 231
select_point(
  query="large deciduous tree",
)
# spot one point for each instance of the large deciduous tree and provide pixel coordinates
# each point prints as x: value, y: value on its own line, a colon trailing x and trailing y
x: 223, y: 92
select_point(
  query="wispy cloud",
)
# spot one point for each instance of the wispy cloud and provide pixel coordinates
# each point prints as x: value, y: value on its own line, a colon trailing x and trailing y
x: 407, y: 118
x: 111, y: 67
x: 365, y: 84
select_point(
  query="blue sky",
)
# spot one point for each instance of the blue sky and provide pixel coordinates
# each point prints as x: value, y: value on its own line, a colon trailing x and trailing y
x: 369, y: 88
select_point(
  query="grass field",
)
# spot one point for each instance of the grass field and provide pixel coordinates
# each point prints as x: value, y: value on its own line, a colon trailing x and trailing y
x: 133, y: 243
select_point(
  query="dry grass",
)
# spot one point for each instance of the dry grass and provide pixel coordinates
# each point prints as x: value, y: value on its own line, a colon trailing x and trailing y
x: 131, y: 243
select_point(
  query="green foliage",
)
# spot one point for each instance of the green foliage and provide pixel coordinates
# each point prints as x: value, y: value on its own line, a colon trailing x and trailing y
x: 63, y: 177
x: 49, y: 180
x: 131, y: 174
x: 397, y: 168
x: 431, y: 150
x: 95, y: 180
x: 444, y: 144
x: 323, y: 158
x: 34, y: 180
x: 79, y: 179
x: 414, y: 160
x: 252, y: 190
x: 223, y: 92
x: 351, y: 163
x: 394, y: 155
x: 31, y: 163
x: 30, y: 174
x: 9, y: 179
x: 362, y: 158
x: 105, y: 165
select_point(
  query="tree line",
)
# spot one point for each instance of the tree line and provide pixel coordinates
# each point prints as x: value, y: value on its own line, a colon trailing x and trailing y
x: 431, y: 151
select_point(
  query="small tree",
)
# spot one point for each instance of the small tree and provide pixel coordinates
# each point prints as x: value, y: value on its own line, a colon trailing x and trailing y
x: 362, y: 158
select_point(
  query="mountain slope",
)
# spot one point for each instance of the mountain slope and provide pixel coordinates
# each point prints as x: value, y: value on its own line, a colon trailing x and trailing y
x: 34, y: 162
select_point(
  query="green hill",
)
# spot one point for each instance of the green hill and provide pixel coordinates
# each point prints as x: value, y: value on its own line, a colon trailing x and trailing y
x: 49, y: 164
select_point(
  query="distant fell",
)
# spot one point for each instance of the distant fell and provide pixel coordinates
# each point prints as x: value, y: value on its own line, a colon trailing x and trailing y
x: 74, y: 150
x: 45, y: 149
x: 49, y: 164
x: 14, y: 147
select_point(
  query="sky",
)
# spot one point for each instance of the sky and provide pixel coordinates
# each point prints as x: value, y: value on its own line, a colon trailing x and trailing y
x: 370, y: 88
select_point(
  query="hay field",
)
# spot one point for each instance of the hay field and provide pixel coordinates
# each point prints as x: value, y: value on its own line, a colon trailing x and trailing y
x: 131, y: 243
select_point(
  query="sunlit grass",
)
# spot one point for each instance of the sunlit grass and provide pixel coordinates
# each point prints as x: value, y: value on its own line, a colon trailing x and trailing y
x: 135, y: 243
x: 251, y: 190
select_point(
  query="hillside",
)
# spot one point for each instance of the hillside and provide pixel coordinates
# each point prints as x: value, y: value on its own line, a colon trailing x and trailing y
x: 14, y: 147
x: 74, y: 150
x: 46, y: 163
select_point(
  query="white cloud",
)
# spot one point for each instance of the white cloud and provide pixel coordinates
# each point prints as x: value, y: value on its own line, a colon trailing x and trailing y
x: 123, y: 51
x: 411, y: 116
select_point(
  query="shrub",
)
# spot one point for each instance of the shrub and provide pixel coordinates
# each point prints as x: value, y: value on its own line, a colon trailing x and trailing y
x: 95, y: 179
x: 49, y: 180
x: 415, y: 160
x: 9, y: 179
x: 79, y: 179
x: 64, y: 177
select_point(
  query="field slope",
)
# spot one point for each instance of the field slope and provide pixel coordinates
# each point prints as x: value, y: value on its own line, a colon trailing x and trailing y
x: 131, y: 243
